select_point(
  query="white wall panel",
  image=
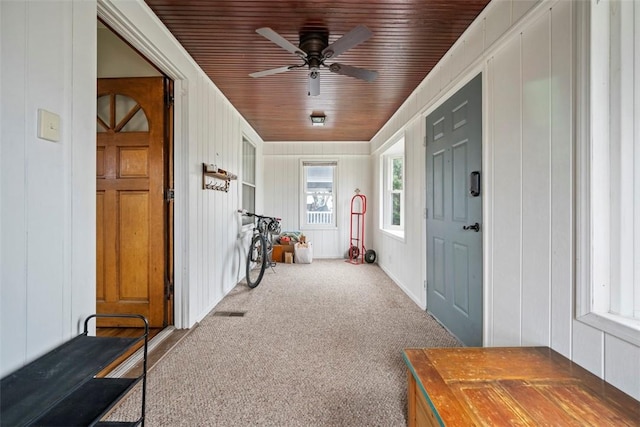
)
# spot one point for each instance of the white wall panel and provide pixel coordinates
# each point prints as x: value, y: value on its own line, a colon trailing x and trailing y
x: 474, y: 41
x: 415, y: 191
x: 497, y: 21
x: 506, y: 183
x: 444, y: 71
x: 42, y: 290
x: 46, y: 167
x: 561, y: 178
x: 81, y: 128
x: 13, y: 207
x: 218, y: 259
x: 588, y: 348
x: 520, y: 7
x: 457, y: 61
x: 622, y: 365
x: 536, y: 183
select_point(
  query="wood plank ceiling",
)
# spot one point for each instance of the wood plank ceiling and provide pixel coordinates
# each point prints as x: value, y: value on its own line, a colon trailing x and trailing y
x: 409, y: 38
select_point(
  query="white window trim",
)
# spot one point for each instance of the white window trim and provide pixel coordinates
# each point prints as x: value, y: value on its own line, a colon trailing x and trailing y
x: 593, y: 185
x: 303, y: 194
x: 386, y: 184
x: 248, y: 226
x: 390, y: 191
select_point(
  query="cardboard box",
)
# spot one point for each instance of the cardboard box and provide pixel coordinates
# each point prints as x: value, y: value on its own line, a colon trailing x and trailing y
x: 288, y: 258
x: 279, y: 251
x: 276, y: 255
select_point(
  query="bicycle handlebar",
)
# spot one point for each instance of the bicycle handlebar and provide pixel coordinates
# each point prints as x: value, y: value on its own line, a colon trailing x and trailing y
x: 247, y: 213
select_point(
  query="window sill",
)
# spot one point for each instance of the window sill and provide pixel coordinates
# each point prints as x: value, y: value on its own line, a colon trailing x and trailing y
x: 625, y: 328
x: 395, y: 234
x: 318, y: 227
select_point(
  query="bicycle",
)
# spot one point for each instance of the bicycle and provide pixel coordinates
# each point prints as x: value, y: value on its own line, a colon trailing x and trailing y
x: 261, y: 247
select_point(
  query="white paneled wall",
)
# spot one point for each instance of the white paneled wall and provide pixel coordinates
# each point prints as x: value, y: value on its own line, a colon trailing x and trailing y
x: 283, y: 189
x: 528, y: 58
x: 214, y: 235
x: 47, y: 196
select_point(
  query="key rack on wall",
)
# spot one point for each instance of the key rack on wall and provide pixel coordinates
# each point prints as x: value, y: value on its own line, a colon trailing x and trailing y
x: 211, y: 175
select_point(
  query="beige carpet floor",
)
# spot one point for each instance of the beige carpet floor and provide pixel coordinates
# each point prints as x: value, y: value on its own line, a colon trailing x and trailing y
x: 319, y: 345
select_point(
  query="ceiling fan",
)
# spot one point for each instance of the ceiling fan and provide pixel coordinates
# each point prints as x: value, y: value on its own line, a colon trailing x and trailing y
x: 315, y: 49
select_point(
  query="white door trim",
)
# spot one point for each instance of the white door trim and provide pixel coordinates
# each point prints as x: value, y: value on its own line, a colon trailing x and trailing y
x: 111, y: 15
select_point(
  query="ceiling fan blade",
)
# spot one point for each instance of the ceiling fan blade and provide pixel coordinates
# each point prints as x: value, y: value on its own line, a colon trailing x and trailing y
x: 314, y: 82
x: 346, y: 42
x: 358, y: 73
x: 270, y: 72
x: 276, y: 38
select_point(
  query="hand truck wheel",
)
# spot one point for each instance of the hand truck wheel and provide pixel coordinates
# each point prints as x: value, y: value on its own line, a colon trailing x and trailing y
x: 354, y: 252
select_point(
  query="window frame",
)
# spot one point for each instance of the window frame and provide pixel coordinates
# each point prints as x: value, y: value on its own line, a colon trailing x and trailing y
x: 247, y: 222
x: 396, y: 150
x: 596, y: 240
x: 304, y: 224
x: 390, y: 172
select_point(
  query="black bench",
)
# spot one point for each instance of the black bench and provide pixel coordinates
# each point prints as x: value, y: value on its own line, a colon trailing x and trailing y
x: 61, y: 389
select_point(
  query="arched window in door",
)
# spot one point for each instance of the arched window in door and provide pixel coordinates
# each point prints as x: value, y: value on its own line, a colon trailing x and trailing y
x: 120, y: 113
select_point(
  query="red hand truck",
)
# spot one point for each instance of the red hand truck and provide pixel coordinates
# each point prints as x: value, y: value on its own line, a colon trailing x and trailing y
x: 357, y: 251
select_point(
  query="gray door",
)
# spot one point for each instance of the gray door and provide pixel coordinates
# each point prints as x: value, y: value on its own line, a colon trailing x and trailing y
x: 454, y: 213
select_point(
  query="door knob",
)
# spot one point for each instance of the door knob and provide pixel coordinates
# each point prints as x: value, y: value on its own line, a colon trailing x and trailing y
x: 475, y: 227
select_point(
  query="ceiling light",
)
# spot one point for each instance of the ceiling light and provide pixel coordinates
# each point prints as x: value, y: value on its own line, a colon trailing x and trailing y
x: 317, y: 119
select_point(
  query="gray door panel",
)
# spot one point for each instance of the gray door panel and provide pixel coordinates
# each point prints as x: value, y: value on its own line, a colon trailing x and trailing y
x: 454, y: 255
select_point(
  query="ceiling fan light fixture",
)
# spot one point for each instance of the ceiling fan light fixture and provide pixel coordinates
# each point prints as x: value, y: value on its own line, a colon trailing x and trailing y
x: 318, y: 119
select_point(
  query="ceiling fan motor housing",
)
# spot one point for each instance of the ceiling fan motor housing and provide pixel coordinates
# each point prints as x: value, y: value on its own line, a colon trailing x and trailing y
x: 313, y: 43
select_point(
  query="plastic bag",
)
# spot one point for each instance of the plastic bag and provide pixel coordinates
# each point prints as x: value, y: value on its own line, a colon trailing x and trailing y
x: 303, y: 253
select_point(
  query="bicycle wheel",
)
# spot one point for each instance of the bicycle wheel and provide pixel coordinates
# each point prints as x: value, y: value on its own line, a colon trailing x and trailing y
x: 256, y: 261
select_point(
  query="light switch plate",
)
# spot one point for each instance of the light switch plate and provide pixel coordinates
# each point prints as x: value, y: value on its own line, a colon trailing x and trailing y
x: 48, y: 125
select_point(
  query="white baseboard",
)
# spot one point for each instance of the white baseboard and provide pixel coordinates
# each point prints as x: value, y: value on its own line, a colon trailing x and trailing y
x: 410, y: 294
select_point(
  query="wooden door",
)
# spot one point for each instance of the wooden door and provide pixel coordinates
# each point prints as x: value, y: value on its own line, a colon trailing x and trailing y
x: 454, y: 213
x: 131, y: 213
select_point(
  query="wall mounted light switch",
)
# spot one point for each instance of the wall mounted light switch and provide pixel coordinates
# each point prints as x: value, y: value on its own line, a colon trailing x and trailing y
x: 48, y: 125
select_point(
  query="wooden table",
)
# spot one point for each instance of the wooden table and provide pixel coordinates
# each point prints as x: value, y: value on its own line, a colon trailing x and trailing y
x: 515, y: 386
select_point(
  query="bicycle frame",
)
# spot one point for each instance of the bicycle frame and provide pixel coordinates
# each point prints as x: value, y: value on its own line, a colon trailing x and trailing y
x: 261, y: 246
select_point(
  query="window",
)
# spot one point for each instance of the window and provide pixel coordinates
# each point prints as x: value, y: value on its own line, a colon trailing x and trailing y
x: 393, y: 189
x: 396, y: 166
x: 319, y: 188
x: 609, y: 233
x: 248, y: 179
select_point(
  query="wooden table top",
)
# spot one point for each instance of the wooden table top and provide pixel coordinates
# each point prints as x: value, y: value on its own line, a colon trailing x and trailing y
x: 516, y: 386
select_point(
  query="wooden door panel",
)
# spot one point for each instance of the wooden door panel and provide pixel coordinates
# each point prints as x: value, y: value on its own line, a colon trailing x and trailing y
x: 133, y: 236
x: 133, y: 213
x: 133, y: 162
x: 100, y: 163
x: 100, y: 247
